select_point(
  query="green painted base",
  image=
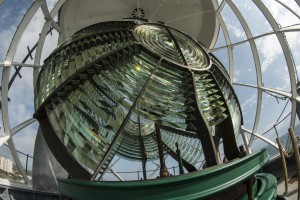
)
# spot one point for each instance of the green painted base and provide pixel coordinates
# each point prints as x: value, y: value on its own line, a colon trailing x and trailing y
x: 268, y: 187
x: 198, y: 185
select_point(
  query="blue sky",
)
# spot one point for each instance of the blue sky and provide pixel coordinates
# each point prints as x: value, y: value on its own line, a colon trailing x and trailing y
x: 273, y: 64
x: 21, y: 93
x: 274, y: 69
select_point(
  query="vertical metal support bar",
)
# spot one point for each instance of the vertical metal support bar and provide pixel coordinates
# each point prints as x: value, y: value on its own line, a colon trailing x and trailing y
x: 249, y: 184
x: 47, y: 28
x: 246, y: 141
x: 283, y: 166
x: 163, y: 169
x: 142, y: 145
x: 144, y: 169
x: 108, y: 151
x: 203, y: 130
x: 181, y: 171
x: 296, y: 154
x: 173, y: 170
x: 227, y: 39
x: 26, y: 163
x: 257, y: 65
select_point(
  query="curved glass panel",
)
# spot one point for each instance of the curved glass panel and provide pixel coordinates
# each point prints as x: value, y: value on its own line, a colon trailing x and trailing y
x: 172, y: 44
x: 282, y: 16
x: 248, y: 99
x: 222, y: 56
x: 21, y: 108
x: 256, y: 21
x: 11, y: 15
x: 293, y: 39
x: 273, y: 64
x: 51, y: 4
x: 244, y: 67
x: 292, y: 5
x: 158, y: 39
x: 30, y: 36
x: 221, y: 39
x: 191, y: 51
x: 271, y: 104
x: 49, y: 45
x: 235, y: 29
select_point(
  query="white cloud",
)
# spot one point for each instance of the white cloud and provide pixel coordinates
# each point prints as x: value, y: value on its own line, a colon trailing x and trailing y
x: 5, y: 43
x: 249, y: 102
x: 5, y: 14
x: 285, y: 82
x: 7, y: 33
x: 236, y: 75
x: 270, y: 49
x: 21, y: 106
x: 51, y: 4
x: 284, y: 18
x: 234, y: 27
x: 22, y: 89
x: 281, y: 14
x: 30, y: 36
x: 25, y: 139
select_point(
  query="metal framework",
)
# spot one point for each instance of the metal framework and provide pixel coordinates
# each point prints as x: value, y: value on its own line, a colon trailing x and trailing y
x: 9, y: 62
x: 282, y: 30
x: 5, y: 81
x: 279, y: 32
x: 257, y: 67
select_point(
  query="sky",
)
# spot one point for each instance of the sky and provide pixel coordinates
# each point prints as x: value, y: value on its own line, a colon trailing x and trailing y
x: 273, y: 65
x: 21, y: 93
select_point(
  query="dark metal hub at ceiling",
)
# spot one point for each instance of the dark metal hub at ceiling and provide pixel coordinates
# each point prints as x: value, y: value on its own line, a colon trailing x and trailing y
x: 138, y: 13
